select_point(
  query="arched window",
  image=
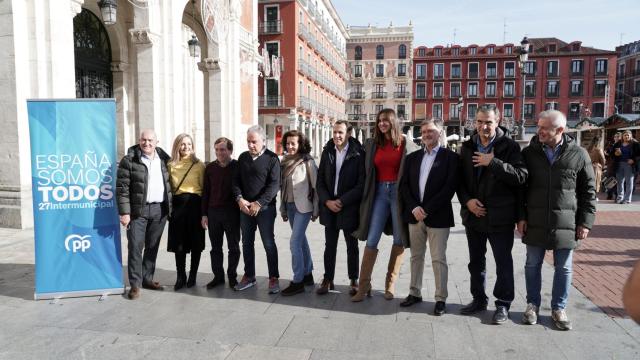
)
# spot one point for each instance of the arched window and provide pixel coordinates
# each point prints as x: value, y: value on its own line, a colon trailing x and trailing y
x: 358, y: 53
x: 402, y: 51
x: 92, y: 57
x: 380, y: 52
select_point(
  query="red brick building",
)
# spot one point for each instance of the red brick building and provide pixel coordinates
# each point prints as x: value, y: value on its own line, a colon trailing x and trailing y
x: 628, y: 78
x: 310, y: 92
x: 452, y: 82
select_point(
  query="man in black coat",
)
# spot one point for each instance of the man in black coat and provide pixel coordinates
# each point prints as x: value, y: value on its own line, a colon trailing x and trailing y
x: 428, y: 184
x: 492, y: 178
x: 144, y: 198
x: 339, y: 185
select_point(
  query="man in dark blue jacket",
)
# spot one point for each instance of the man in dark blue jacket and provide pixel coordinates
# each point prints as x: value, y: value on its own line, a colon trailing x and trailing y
x: 428, y: 184
x: 339, y: 185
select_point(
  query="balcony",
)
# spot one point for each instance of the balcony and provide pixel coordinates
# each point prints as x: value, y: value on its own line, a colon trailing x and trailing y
x: 577, y: 73
x: 421, y: 77
x: 305, y: 103
x: 379, y: 74
x: 472, y: 96
x: 356, y: 95
x: 472, y: 75
x: 402, y: 74
x: 270, y: 27
x: 401, y: 95
x: 553, y: 74
x: 508, y: 95
x: 357, y: 117
x: 438, y: 77
x: 509, y: 74
x: 530, y: 94
x: 379, y: 95
x: 576, y: 93
x: 601, y: 73
x: 492, y: 75
x: 421, y: 96
x: 437, y: 96
x: 270, y: 101
x: 553, y: 94
x: 455, y: 76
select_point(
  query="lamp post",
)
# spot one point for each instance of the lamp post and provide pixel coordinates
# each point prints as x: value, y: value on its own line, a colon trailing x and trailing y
x: 194, y: 46
x: 108, y: 10
x: 523, y: 56
x: 460, y: 105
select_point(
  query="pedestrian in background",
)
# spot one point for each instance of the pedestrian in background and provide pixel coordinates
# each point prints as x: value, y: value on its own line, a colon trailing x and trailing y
x: 220, y: 214
x: 298, y: 205
x: 626, y: 153
x: 186, y: 234
x: 611, y: 165
x: 596, y: 154
x: 380, y: 210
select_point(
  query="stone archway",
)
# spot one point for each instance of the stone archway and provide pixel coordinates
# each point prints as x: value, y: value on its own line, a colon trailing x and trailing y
x: 92, y: 57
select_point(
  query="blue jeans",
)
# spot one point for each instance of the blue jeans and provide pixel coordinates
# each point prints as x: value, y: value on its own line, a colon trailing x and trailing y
x: 624, y: 176
x: 300, y: 254
x: 264, y: 221
x: 384, y: 204
x: 562, y: 261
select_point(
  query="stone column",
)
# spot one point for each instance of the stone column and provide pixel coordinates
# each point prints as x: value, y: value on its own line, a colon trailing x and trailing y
x: 147, y: 69
x: 212, y: 103
x: 119, y: 71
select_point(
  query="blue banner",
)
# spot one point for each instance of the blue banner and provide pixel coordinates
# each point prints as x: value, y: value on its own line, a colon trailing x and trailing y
x: 73, y: 175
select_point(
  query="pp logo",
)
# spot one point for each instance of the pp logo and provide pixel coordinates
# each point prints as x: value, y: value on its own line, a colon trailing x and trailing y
x: 75, y: 243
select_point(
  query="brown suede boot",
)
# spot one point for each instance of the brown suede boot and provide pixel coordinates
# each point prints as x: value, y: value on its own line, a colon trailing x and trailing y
x: 395, y: 263
x: 368, y: 260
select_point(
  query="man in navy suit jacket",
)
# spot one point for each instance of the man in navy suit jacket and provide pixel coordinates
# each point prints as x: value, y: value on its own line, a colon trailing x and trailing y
x: 429, y: 183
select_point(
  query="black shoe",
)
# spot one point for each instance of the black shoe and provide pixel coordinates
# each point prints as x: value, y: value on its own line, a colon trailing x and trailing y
x: 440, y: 308
x: 233, y: 282
x: 501, y: 315
x: 215, y: 282
x: 410, y: 300
x: 181, y: 281
x: 308, y: 280
x: 473, y: 307
x: 293, y: 288
x: 192, y: 279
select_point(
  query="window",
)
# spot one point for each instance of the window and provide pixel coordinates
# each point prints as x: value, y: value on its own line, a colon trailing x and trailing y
x: 377, y: 108
x: 601, y: 67
x: 378, y: 92
x: 530, y: 68
x: 574, y: 111
x: 358, y: 54
x: 455, y: 90
x: 473, y: 70
x: 379, y: 70
x: 530, y: 88
x: 454, y: 112
x: 271, y: 22
x: 510, y: 69
x: 421, y: 71
x: 552, y: 47
x: 438, y: 90
x: 490, y: 50
x: 490, y: 90
x: 357, y: 71
x: 552, y: 68
x: 636, y: 88
x: 421, y: 91
x: 472, y: 89
x: 597, y: 110
x: 577, y: 67
x: 402, y: 69
x: 273, y: 48
x: 553, y: 89
x: 509, y: 50
x: 401, y: 90
x: 456, y: 71
x: 552, y: 106
x: 507, y: 110
x: 600, y: 87
x: 379, y: 52
x: 621, y: 70
x: 438, y: 71
x: 472, y: 109
x: 422, y: 52
x: 436, y: 111
x: 509, y: 89
x: 400, y: 111
x: 356, y: 108
x: 437, y: 52
x: 529, y: 111
x: 576, y: 88
x: 402, y: 51
x: 473, y: 50
x: 492, y: 71
x: 455, y: 51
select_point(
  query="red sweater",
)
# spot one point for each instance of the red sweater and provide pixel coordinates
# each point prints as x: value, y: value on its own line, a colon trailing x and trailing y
x: 387, y: 161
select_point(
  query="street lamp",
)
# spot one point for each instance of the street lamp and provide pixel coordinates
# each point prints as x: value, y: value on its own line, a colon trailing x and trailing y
x: 460, y: 105
x: 108, y: 10
x: 194, y: 46
x: 523, y: 56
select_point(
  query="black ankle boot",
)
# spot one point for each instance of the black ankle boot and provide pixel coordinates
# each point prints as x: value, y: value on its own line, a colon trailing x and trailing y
x: 193, y: 273
x: 181, y: 276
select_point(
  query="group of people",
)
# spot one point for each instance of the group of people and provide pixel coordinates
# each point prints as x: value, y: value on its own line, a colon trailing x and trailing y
x: 386, y: 185
x: 621, y: 161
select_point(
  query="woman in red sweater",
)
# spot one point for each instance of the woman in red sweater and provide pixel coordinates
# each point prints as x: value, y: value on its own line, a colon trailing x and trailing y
x: 380, y: 209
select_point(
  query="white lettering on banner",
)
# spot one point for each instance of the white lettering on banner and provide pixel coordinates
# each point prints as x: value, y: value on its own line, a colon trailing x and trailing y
x: 78, y: 178
x: 77, y: 242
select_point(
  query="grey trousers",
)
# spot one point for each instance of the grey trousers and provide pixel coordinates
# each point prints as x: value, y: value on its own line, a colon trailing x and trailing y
x: 144, y: 232
x: 419, y: 235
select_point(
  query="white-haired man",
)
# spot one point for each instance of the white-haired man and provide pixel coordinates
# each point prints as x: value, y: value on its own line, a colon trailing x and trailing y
x: 255, y: 185
x: 558, y: 211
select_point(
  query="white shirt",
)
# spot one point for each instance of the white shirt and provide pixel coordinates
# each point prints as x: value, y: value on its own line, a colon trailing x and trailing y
x: 155, y: 181
x: 340, y: 155
x: 425, y: 168
x: 260, y: 153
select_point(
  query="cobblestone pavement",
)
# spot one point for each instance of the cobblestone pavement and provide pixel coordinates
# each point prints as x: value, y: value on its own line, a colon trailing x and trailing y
x: 223, y: 324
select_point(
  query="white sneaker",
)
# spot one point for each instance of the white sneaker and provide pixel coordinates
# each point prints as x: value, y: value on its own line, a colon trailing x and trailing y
x: 530, y: 316
x: 561, y: 319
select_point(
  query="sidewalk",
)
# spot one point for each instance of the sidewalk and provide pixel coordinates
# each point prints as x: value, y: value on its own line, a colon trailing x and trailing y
x: 223, y: 324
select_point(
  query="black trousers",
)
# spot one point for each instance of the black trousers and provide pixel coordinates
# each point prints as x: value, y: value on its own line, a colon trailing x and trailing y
x: 143, y: 236
x: 223, y: 222
x: 331, y: 234
x: 501, y: 246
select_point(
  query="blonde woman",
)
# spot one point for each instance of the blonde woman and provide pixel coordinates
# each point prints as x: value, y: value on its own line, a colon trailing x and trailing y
x: 186, y: 234
x: 597, y: 161
x: 625, y: 154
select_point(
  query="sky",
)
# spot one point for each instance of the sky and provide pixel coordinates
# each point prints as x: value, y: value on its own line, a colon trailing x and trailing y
x: 597, y: 23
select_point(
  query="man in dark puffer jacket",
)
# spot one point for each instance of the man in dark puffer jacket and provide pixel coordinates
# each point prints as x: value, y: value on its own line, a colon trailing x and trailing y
x: 144, y: 198
x: 560, y: 208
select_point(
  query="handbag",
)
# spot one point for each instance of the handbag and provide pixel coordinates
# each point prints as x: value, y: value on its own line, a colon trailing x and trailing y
x: 311, y: 193
x: 610, y: 182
